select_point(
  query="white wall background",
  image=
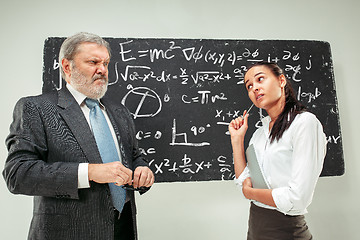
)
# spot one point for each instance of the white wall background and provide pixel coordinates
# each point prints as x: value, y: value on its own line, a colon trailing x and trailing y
x: 206, y: 210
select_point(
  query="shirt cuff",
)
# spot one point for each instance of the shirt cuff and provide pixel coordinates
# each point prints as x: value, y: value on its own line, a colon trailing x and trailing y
x: 83, y: 176
x: 281, y: 199
x: 244, y: 175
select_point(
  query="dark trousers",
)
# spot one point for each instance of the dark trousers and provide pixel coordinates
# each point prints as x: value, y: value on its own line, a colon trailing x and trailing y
x: 268, y: 224
x: 123, y: 224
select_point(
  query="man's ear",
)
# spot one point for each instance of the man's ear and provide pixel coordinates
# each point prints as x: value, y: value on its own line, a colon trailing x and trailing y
x: 66, y: 65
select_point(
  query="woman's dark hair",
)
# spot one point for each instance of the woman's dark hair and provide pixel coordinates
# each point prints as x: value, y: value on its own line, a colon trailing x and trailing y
x: 292, y: 106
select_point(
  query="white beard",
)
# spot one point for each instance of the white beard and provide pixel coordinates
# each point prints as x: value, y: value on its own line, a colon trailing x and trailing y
x: 85, y: 85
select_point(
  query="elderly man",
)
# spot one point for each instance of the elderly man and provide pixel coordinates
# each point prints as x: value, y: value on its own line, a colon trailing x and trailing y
x: 74, y: 150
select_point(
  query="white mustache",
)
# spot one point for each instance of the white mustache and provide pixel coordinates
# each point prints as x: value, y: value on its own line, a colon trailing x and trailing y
x: 99, y: 76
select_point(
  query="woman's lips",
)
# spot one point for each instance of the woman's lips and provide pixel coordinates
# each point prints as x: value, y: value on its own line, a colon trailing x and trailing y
x: 259, y: 96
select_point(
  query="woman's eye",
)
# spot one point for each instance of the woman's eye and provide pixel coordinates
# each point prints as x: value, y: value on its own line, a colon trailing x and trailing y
x: 260, y: 79
x: 249, y: 87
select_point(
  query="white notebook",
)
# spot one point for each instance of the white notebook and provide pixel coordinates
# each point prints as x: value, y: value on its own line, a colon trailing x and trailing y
x: 256, y: 173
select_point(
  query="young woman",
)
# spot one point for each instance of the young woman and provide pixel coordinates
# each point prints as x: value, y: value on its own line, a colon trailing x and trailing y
x: 290, y: 147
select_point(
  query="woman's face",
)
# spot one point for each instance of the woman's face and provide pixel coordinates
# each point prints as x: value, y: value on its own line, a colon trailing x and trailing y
x: 265, y: 89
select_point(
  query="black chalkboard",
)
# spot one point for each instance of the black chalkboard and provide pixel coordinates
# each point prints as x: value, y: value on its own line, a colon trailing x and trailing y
x: 183, y: 93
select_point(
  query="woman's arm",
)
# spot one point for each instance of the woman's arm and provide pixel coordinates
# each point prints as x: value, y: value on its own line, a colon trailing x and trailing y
x: 260, y: 195
x: 237, y: 129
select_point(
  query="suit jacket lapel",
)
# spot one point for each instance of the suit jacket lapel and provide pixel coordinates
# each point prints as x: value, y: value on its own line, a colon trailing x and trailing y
x: 75, y: 119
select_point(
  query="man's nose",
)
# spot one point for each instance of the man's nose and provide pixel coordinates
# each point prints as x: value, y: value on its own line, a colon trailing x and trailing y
x: 101, y: 69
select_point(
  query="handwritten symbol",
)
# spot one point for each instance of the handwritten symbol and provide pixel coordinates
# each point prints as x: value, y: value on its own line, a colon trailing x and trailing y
x: 145, y: 93
x: 185, y: 140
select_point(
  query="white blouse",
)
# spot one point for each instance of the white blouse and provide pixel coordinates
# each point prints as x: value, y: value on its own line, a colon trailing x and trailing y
x: 291, y: 165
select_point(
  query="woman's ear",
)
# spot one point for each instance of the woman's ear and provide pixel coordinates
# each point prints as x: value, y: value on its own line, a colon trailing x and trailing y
x: 282, y: 81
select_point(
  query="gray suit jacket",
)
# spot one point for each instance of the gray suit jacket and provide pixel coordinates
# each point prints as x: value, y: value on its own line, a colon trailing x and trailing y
x: 48, y: 139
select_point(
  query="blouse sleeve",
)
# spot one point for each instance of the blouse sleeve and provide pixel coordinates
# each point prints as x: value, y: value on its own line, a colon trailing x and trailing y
x: 309, y: 149
x: 239, y: 181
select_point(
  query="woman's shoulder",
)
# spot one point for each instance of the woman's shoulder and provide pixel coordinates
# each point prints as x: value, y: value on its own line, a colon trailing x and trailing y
x: 306, y: 119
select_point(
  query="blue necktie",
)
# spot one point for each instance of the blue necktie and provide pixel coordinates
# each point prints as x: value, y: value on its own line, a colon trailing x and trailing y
x: 106, y: 146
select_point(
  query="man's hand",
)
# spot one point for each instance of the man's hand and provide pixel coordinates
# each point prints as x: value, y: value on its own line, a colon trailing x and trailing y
x: 110, y: 172
x: 143, y: 177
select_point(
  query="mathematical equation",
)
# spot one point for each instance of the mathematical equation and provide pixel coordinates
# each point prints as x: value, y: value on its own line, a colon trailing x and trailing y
x: 195, y: 54
x: 186, y: 165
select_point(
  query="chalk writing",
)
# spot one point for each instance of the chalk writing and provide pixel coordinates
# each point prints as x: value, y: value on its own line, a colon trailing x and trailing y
x: 309, y: 96
x: 142, y: 93
x: 183, y: 138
